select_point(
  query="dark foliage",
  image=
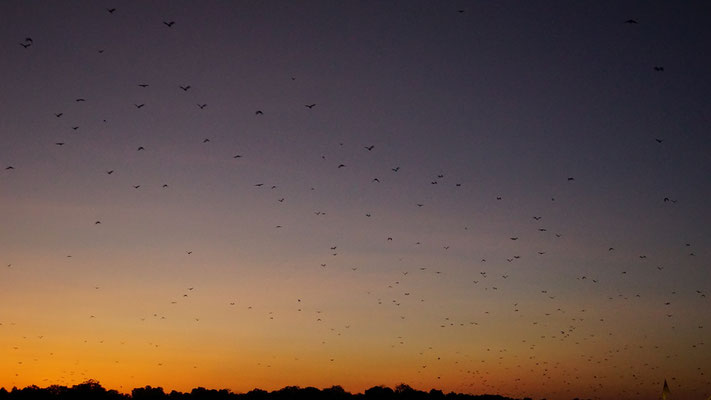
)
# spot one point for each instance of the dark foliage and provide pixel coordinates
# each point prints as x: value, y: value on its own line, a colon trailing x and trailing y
x: 92, y: 390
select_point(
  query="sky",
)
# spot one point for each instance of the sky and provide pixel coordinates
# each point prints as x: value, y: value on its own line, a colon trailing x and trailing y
x: 503, y: 197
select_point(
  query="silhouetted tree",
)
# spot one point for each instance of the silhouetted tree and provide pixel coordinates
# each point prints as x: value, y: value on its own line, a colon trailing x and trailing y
x: 29, y: 392
x: 436, y: 394
x: 379, y: 393
x: 175, y: 395
x: 59, y: 392
x: 256, y: 394
x: 335, y: 393
x: 148, y: 393
x: 88, y: 390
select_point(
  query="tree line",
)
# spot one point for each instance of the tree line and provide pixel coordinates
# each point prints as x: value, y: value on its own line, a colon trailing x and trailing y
x: 93, y: 390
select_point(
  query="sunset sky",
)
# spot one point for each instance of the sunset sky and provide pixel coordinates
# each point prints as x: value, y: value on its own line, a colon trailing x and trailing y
x: 505, y: 197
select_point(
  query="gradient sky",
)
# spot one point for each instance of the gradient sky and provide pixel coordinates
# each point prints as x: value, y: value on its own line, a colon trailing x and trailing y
x: 213, y: 281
